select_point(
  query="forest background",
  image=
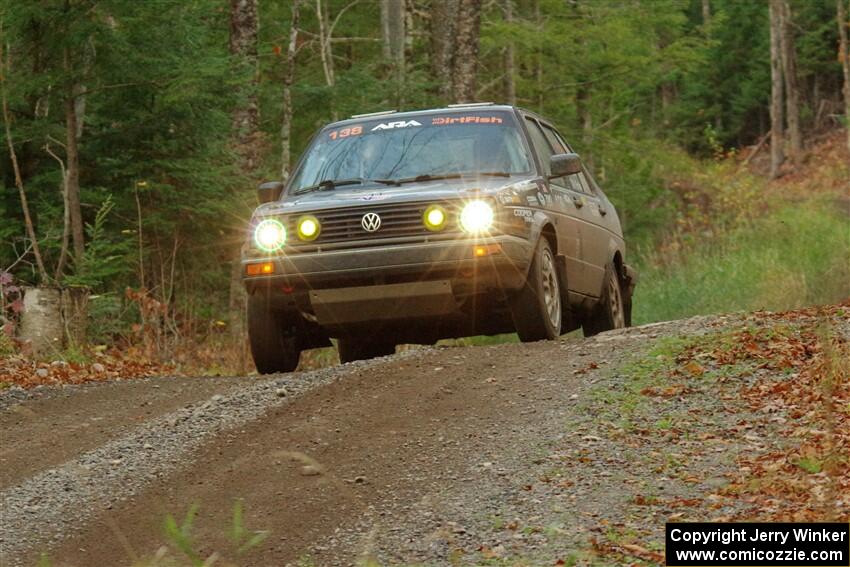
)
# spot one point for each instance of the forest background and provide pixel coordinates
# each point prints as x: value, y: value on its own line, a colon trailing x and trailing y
x: 134, y: 135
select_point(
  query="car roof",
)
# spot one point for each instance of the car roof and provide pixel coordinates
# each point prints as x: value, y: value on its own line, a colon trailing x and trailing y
x: 394, y: 114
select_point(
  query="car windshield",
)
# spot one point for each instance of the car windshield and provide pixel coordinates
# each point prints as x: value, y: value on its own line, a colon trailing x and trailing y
x: 418, y: 146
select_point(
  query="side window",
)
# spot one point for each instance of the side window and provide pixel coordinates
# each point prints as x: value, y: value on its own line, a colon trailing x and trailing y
x: 574, y: 183
x: 585, y: 185
x: 541, y: 146
x: 561, y: 139
x: 554, y: 141
x: 594, y: 186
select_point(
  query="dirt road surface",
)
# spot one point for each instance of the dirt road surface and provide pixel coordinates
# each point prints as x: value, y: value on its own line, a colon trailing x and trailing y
x: 535, y: 453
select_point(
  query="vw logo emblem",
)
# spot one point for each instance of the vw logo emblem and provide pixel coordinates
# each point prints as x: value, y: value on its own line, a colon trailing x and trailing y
x: 370, y: 222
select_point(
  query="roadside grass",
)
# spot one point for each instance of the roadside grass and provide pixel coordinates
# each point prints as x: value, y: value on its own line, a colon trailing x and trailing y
x: 786, y: 378
x: 644, y: 374
x: 795, y: 256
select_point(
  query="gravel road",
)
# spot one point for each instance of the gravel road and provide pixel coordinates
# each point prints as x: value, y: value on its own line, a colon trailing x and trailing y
x: 435, y: 455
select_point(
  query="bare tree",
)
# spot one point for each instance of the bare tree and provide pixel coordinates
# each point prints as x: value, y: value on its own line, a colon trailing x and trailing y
x: 510, y: 65
x: 777, y: 137
x: 844, y: 55
x: 245, y: 120
x: 393, y: 33
x: 465, y: 64
x: 66, y: 216
x: 325, y: 50
x: 5, y: 66
x: 72, y: 157
x: 443, y: 16
x: 288, y: 79
x: 792, y: 91
x: 538, y: 57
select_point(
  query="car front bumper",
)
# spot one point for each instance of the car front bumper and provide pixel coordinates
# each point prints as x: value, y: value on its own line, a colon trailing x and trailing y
x: 503, y: 264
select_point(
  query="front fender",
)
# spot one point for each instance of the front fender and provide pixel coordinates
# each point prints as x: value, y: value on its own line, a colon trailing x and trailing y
x: 539, y: 221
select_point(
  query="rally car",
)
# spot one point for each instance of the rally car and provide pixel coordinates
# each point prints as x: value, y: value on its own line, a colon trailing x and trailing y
x: 412, y: 227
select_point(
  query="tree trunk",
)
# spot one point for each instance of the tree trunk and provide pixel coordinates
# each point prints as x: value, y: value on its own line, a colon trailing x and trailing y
x: 844, y: 55
x: 244, y: 29
x: 66, y: 218
x: 41, y: 321
x: 465, y: 67
x: 538, y: 57
x: 510, y: 64
x: 706, y: 15
x: 54, y: 318
x: 393, y: 27
x: 245, y: 120
x: 792, y: 91
x: 583, y: 108
x: 72, y: 157
x: 443, y: 17
x: 326, y: 51
x: 288, y: 79
x: 777, y: 134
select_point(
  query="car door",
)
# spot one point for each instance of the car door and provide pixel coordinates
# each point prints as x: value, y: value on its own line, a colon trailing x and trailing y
x: 565, y: 205
x: 595, y: 237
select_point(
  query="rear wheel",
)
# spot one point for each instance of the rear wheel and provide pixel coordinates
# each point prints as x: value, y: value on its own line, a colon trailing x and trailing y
x: 351, y: 349
x: 274, y: 344
x: 611, y: 311
x: 536, y: 308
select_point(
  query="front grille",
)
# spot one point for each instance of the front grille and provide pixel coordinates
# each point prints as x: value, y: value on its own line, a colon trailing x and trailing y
x: 399, y: 221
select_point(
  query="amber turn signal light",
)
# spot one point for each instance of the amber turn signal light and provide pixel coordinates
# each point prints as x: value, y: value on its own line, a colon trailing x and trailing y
x: 486, y: 250
x: 259, y: 269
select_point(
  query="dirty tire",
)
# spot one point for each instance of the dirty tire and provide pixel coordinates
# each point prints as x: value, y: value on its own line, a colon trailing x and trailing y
x: 273, y: 349
x: 611, y: 312
x: 536, y: 309
x: 351, y: 349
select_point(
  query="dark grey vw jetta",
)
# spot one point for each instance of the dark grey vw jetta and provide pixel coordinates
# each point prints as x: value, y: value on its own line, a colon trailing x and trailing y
x: 417, y: 226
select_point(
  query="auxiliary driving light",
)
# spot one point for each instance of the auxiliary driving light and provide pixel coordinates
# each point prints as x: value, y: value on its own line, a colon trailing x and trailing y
x: 309, y: 228
x: 270, y: 235
x: 476, y: 216
x: 434, y: 218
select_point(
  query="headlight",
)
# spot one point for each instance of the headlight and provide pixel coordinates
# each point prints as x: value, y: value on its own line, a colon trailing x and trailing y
x: 309, y: 228
x: 270, y: 235
x: 476, y: 216
x: 434, y: 218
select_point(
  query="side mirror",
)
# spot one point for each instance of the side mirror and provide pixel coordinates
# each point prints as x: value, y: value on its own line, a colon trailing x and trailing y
x: 564, y: 164
x: 269, y: 191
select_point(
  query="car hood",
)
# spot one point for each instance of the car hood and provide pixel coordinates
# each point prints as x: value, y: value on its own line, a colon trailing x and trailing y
x: 356, y: 196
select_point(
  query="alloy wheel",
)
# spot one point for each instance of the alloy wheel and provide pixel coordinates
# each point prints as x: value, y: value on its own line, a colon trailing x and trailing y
x: 551, y: 289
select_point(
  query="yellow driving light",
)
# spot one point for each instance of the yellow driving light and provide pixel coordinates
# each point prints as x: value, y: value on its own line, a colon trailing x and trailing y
x: 309, y: 228
x: 434, y: 218
x: 476, y: 216
x: 270, y: 235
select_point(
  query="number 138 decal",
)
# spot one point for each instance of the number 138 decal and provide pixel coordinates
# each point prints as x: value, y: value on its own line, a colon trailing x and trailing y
x: 346, y: 132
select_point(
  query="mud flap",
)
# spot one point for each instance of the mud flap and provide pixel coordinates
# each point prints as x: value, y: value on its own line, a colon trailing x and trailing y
x: 569, y: 322
x: 630, y: 278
